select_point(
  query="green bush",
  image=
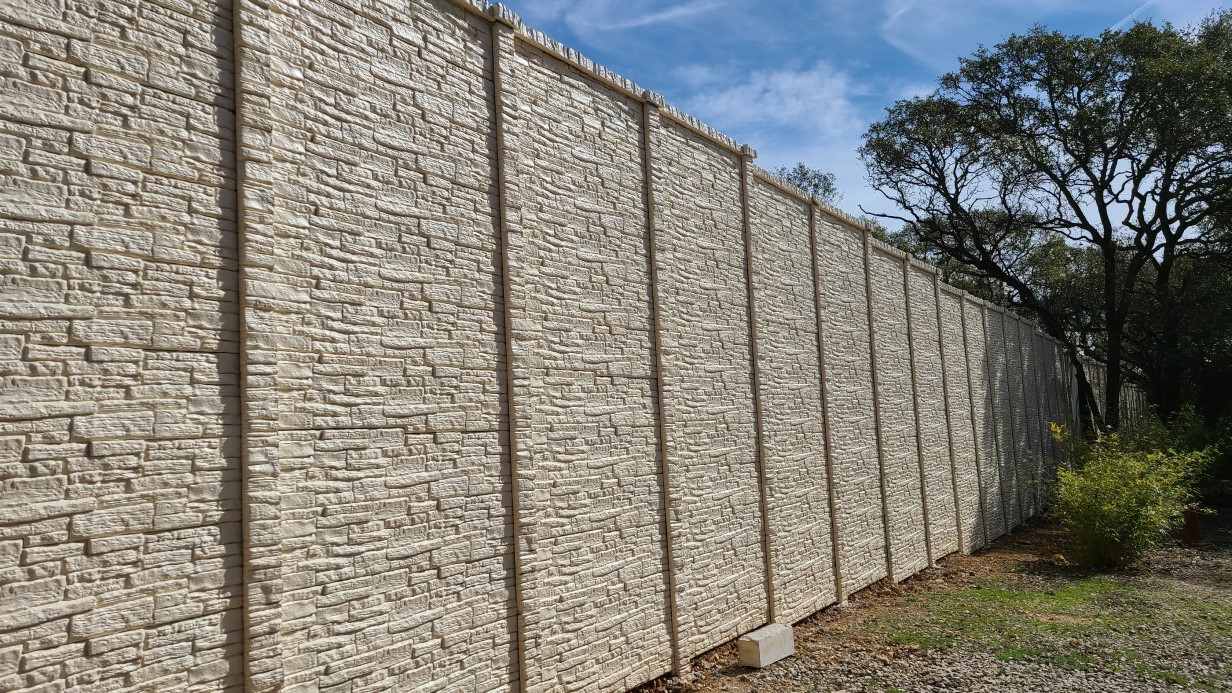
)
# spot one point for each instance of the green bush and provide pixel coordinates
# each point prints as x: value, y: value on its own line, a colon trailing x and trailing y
x: 1185, y: 431
x: 1119, y: 499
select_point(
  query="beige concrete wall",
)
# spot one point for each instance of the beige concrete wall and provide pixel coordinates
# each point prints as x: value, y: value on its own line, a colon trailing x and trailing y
x: 967, y: 447
x: 933, y: 422
x: 899, y: 445
x: 984, y: 379
x: 797, y: 482
x: 120, y: 508
x: 712, y: 441
x: 369, y: 346
x: 859, y: 509
x: 594, y: 579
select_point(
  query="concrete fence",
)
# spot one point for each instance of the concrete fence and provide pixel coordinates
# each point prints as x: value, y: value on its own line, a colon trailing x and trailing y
x: 356, y: 345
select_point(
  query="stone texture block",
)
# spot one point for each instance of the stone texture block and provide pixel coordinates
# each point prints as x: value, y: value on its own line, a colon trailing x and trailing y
x: 766, y: 645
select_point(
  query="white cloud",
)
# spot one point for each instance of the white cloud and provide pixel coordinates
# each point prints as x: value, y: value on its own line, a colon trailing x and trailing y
x: 936, y: 32
x: 789, y: 115
x: 818, y: 97
x: 1180, y: 12
x: 1132, y: 16
x: 665, y: 15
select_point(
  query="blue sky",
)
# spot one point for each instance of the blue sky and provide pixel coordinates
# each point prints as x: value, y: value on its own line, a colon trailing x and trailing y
x: 800, y: 80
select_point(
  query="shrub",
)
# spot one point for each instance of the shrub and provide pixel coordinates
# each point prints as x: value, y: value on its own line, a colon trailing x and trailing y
x: 1119, y: 500
x: 1185, y: 431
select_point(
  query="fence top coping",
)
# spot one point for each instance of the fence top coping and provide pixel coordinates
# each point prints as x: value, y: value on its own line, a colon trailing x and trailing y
x: 500, y: 14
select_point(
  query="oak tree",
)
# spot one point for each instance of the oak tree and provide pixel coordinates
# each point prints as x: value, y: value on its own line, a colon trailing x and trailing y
x: 1116, y: 146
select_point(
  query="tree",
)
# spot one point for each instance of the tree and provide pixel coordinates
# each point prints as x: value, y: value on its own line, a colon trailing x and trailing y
x: 1190, y: 362
x: 814, y: 181
x: 1115, y: 147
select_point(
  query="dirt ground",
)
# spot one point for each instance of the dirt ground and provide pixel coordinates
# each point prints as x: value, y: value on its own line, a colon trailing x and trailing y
x: 1014, y: 617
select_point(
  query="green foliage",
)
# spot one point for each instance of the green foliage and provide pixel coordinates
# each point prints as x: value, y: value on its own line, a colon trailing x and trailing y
x: 1081, y: 178
x: 1186, y: 431
x: 1118, y: 497
x: 814, y: 181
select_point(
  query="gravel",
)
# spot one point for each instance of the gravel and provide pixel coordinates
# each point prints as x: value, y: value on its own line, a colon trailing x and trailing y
x: 1165, y: 626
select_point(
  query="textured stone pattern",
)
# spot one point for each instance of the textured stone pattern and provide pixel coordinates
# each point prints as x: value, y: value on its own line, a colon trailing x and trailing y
x: 594, y: 582
x: 715, y: 520
x: 789, y: 369
x: 382, y: 292
x: 1016, y: 390
x: 963, y: 429
x: 860, y: 524
x: 120, y: 563
x: 899, y: 451
x: 374, y: 485
x: 1032, y: 399
x: 984, y: 395
x: 943, y: 518
x: 1000, y: 359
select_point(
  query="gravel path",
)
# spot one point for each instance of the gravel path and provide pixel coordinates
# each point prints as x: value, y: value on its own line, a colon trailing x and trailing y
x: 1014, y: 618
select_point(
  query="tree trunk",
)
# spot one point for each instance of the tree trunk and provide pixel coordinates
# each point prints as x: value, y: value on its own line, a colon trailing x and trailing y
x: 1087, y: 404
x: 1112, y: 396
x: 1114, y: 325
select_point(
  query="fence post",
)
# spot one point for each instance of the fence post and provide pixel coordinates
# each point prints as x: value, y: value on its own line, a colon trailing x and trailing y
x: 828, y: 441
x: 975, y: 430
x: 949, y: 423
x: 503, y: 38
x: 746, y: 157
x: 872, y: 354
x: 650, y: 121
x: 915, y: 408
x: 259, y: 356
x: 989, y: 390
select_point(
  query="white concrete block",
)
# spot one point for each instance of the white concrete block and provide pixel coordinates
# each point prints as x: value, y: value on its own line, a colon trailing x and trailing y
x: 766, y: 645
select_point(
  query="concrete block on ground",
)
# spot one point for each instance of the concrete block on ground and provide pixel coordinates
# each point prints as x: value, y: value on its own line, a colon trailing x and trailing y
x: 766, y: 645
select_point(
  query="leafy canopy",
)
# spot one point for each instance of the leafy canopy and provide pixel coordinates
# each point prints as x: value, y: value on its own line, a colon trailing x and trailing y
x: 814, y: 181
x: 1117, y: 144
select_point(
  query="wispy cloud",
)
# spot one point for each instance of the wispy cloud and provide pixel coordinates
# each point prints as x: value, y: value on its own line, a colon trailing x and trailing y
x: 799, y: 113
x: 1179, y: 12
x: 1132, y: 16
x: 814, y: 97
x: 585, y: 17
x: 667, y: 15
x: 936, y: 32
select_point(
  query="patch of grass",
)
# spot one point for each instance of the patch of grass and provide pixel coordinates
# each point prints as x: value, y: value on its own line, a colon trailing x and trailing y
x: 1013, y: 621
x: 1170, y: 676
x: 1073, y: 620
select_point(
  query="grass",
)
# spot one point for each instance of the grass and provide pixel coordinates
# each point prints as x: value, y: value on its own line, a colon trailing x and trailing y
x: 1018, y: 612
x: 1069, y: 619
x: 1016, y: 623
